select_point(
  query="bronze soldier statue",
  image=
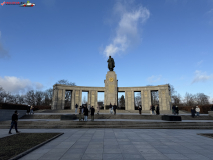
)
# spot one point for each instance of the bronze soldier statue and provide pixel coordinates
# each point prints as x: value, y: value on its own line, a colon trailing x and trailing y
x: 111, y: 63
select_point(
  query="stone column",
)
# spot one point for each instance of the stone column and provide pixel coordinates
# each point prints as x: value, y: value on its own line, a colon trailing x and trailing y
x: 133, y: 101
x: 146, y: 100
x: 111, y: 90
x: 164, y: 99
x: 63, y: 99
x: 126, y: 101
x: 96, y: 99
x: 73, y: 100
x: 93, y: 99
x: 77, y: 97
x: 89, y: 101
x: 54, y: 99
x: 80, y: 98
x: 142, y: 101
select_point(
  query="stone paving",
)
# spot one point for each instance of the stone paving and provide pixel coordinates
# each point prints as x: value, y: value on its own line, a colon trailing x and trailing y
x: 119, y: 144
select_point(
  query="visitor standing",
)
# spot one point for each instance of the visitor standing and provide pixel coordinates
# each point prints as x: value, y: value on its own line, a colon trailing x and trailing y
x: 140, y: 108
x: 92, y: 113
x: 177, y: 110
x: 212, y: 108
x: 31, y: 110
x: 85, y: 113
x: 28, y: 109
x: 80, y: 113
x: 98, y: 108
x: 150, y: 109
x: 76, y: 107
x: 193, y: 112
x: 197, y: 111
x: 14, y: 122
x: 111, y: 110
x: 173, y: 109
x: 157, y: 110
x: 153, y: 109
x: 114, y: 108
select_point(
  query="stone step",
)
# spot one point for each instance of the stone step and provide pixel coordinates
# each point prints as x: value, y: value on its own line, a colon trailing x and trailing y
x: 118, y: 116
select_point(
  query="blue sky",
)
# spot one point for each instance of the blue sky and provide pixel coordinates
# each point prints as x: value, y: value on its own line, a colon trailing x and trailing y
x: 152, y: 42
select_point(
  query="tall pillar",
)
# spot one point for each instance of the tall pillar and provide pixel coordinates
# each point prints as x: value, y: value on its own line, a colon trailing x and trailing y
x: 111, y: 88
x: 142, y: 101
x: 96, y: 99
x: 89, y: 92
x: 80, y: 98
x: 126, y: 101
x: 73, y: 100
x: 93, y: 99
x: 146, y: 99
x: 77, y: 97
x: 133, y: 101
x: 54, y: 99
x: 63, y: 99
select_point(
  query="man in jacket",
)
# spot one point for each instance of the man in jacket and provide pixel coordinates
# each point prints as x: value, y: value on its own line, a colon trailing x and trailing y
x: 114, y: 108
x: 14, y: 122
x: 153, y: 109
x: 85, y: 113
x: 92, y: 111
x: 80, y: 113
x: 197, y: 111
x: 76, y: 107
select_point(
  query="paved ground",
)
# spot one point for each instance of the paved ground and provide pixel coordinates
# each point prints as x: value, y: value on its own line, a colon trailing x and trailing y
x: 117, y: 144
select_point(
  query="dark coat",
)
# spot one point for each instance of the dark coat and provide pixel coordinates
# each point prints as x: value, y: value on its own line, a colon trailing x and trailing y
x: 193, y: 112
x: 157, y: 110
x: 92, y: 111
x: 139, y: 108
x: 212, y: 108
x: 153, y: 108
x: 85, y: 111
x: 173, y: 108
x: 177, y: 110
x: 114, y: 107
x: 14, y: 117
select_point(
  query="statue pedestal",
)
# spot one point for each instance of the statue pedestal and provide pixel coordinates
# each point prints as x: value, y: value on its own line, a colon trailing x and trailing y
x: 111, y: 89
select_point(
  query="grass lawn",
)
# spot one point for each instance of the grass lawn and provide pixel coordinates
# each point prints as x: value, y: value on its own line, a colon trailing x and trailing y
x: 13, y: 145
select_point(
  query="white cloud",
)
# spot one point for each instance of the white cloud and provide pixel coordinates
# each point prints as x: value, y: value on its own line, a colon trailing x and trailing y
x: 3, y: 52
x: 127, y: 29
x: 18, y: 85
x: 201, y: 77
x: 200, y: 62
x: 153, y: 79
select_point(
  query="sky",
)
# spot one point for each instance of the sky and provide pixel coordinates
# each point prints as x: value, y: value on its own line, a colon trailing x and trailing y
x: 152, y: 42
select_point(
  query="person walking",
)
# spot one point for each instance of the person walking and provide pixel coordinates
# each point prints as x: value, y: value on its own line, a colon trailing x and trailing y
x: 153, y: 109
x: 197, y: 111
x: 157, y: 110
x: 98, y: 108
x: 193, y: 112
x: 173, y: 109
x: 31, y: 110
x: 85, y: 113
x: 140, y: 108
x: 177, y: 110
x: 114, y: 108
x: 76, y: 107
x: 80, y: 113
x: 14, y: 122
x: 92, y: 111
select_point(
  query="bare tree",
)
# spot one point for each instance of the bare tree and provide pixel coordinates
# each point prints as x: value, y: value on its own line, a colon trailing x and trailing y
x: 39, y: 97
x: 201, y: 99
x: 84, y: 101
x: 30, y: 98
x: 138, y: 99
x: 2, y: 94
x: 121, y: 101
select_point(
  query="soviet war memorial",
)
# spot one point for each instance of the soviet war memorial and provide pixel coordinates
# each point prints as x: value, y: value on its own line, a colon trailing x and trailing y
x: 111, y: 90
x: 98, y: 80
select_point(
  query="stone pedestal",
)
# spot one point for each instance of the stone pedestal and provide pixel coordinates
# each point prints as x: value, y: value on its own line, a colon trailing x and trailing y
x: 111, y: 88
